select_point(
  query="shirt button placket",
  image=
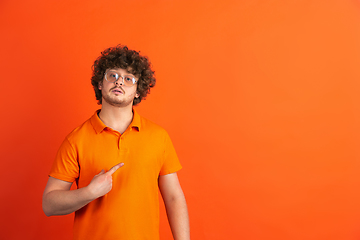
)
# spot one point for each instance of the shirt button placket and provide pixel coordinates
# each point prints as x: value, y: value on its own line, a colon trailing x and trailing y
x: 120, y: 138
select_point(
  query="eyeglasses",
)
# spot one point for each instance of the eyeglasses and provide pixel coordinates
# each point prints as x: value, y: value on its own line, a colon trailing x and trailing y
x: 127, y: 80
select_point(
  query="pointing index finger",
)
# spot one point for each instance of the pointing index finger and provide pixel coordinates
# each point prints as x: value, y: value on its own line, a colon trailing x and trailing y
x: 114, y: 168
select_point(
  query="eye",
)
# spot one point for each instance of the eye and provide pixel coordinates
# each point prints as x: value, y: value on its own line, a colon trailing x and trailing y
x: 129, y: 79
x: 112, y: 76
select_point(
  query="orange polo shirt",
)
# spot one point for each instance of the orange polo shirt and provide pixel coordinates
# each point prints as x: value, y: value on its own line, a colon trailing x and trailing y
x: 131, y: 209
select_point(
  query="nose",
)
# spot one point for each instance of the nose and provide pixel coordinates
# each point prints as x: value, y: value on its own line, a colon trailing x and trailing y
x: 120, y: 81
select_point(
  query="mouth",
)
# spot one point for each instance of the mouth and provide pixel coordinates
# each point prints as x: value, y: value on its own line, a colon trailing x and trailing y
x: 117, y: 91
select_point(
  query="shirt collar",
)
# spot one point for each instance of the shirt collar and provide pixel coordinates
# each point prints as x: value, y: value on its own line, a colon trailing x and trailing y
x: 136, y: 122
x: 99, y: 126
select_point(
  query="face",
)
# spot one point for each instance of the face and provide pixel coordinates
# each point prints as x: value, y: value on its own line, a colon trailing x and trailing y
x: 116, y: 94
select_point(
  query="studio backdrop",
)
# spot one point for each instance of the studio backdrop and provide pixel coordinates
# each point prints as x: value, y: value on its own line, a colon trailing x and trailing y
x: 260, y: 98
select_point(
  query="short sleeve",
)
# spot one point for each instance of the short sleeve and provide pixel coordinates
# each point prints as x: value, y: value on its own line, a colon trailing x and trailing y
x: 65, y: 166
x: 171, y: 162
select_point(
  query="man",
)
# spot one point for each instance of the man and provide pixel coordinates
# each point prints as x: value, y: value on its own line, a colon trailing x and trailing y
x: 118, y: 160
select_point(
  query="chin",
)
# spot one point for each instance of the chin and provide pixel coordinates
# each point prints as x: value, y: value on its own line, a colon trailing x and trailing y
x: 118, y: 103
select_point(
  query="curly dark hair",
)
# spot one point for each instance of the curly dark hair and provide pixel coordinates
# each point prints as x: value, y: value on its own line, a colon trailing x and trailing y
x: 122, y: 57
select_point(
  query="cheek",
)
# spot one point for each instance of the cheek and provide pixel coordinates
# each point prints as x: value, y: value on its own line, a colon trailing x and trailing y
x: 132, y: 95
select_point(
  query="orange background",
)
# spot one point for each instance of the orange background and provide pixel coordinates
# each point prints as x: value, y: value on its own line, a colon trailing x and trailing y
x: 261, y: 100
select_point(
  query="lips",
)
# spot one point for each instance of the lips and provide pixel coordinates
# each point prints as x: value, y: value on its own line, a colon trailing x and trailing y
x: 117, y: 91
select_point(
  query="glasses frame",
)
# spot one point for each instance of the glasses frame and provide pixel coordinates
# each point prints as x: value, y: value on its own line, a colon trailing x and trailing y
x: 122, y: 77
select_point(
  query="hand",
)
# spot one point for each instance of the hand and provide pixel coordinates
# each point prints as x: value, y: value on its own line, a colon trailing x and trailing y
x: 101, y: 184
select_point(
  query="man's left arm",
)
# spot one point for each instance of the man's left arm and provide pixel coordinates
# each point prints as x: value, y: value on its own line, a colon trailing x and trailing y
x: 175, y: 205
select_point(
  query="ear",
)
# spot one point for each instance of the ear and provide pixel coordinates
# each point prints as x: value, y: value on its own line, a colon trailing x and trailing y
x: 137, y: 95
x: 100, y: 85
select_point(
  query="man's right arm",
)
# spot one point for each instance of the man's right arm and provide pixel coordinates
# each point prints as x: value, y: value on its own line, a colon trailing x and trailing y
x: 58, y: 199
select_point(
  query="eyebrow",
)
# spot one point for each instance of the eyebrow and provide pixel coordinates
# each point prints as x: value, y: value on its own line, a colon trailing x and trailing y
x: 129, y: 74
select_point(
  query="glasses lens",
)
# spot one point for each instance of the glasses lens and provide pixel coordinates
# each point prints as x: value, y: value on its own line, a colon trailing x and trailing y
x: 129, y: 81
x: 112, y: 76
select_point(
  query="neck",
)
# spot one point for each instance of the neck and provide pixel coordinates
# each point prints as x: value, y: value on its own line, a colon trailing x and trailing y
x: 117, y: 118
